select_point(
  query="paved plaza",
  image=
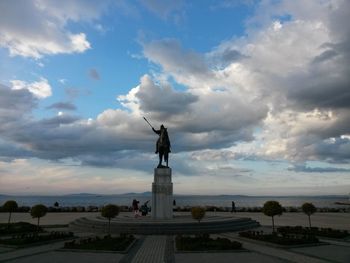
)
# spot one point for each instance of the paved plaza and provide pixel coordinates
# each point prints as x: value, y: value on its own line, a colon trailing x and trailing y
x: 160, y: 248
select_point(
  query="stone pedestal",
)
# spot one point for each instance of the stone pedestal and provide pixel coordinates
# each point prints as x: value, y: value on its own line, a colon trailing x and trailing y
x: 162, y: 194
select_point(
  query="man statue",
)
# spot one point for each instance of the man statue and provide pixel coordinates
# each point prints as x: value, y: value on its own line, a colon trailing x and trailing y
x: 160, y: 141
x: 163, y: 145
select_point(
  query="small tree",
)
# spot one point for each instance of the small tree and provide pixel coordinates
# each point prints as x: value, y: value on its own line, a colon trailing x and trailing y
x: 110, y: 211
x: 38, y: 211
x: 308, y: 209
x: 10, y: 206
x: 272, y: 208
x: 198, y: 213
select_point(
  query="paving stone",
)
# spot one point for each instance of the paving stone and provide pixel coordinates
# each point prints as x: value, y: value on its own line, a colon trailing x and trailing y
x: 151, y: 251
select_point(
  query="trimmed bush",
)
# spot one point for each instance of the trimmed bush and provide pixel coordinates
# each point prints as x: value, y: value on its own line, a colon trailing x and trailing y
x: 19, y: 227
x: 38, y: 211
x: 204, y: 242
x: 110, y: 211
x: 322, y: 232
x: 272, y: 208
x: 280, y: 238
x: 308, y: 209
x: 26, y: 239
x: 120, y: 243
x: 198, y: 213
x: 10, y: 206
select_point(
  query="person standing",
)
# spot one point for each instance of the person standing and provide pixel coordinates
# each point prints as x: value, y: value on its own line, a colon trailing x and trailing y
x: 135, y: 207
x: 233, y: 207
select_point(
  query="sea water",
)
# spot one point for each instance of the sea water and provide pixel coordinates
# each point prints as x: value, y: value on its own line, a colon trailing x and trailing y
x: 181, y: 200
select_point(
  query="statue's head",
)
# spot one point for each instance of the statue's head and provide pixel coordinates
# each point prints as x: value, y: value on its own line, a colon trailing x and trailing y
x: 162, y: 127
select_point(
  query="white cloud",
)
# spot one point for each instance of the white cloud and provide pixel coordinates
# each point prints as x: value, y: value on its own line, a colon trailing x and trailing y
x: 62, y: 81
x: 297, y: 67
x: 41, y: 89
x: 38, y: 28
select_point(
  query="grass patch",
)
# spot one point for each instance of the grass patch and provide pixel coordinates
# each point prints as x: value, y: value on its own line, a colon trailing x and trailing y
x: 17, y: 228
x: 205, y: 243
x: 280, y: 238
x: 322, y: 232
x: 108, y: 242
x: 28, y: 239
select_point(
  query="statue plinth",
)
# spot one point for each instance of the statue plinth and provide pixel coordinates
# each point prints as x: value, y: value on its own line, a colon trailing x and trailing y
x: 162, y: 194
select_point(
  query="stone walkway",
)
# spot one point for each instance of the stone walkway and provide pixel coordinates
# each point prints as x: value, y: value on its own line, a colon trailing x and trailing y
x: 151, y: 251
x: 34, y: 250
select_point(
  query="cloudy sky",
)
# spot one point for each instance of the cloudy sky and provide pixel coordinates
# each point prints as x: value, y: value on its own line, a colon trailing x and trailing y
x: 255, y: 95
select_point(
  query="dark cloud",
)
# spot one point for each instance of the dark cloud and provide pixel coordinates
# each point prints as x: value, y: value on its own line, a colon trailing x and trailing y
x: 11, y: 150
x: 163, y: 100
x: 305, y: 169
x: 174, y: 59
x: 336, y: 150
x: 94, y: 74
x: 223, y: 57
x: 323, y: 86
x: 62, y: 106
x: 15, y: 103
x: 58, y: 120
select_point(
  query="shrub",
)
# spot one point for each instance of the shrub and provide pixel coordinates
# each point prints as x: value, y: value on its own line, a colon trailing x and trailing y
x: 324, y: 232
x: 10, y: 206
x: 15, y: 228
x: 280, y: 238
x: 30, y: 238
x: 38, y: 211
x: 198, y: 213
x: 101, y: 243
x: 308, y: 209
x: 204, y: 242
x: 110, y: 211
x: 272, y: 208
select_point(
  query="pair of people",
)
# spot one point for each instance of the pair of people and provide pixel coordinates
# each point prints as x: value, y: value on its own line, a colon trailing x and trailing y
x: 144, y: 208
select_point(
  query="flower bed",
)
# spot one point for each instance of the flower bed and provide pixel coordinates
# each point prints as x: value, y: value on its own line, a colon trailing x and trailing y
x: 205, y: 243
x: 322, y: 232
x: 20, y: 227
x: 108, y: 242
x: 279, y: 238
x: 27, y: 239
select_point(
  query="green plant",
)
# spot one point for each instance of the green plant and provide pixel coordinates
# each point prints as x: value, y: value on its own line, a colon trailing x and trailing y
x: 10, y: 206
x: 198, y: 213
x: 308, y: 209
x: 110, y: 211
x: 205, y: 243
x: 18, y: 227
x: 281, y: 238
x: 107, y: 242
x: 272, y: 208
x: 38, y: 211
x: 31, y: 238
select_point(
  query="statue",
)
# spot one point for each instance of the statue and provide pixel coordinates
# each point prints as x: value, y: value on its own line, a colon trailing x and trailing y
x: 162, y: 145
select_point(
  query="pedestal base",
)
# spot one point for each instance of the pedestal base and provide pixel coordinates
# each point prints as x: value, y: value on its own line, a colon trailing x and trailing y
x: 162, y: 194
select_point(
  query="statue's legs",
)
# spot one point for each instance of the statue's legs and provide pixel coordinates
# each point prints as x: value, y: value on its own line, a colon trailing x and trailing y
x: 157, y: 146
x: 166, y: 155
x: 160, y: 158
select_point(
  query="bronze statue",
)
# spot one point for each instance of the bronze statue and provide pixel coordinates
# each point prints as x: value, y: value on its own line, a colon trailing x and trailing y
x: 163, y: 144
